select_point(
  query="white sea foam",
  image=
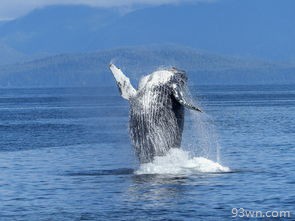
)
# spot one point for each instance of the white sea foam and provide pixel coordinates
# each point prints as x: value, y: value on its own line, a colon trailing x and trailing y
x: 178, y: 161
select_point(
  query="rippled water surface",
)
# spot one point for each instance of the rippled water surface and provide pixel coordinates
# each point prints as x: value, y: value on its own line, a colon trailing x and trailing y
x: 65, y: 154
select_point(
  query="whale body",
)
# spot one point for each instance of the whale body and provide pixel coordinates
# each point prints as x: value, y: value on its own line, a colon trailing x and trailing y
x: 156, y: 116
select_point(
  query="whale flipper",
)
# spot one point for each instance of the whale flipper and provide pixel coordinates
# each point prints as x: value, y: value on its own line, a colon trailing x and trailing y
x: 181, y: 98
x: 126, y: 89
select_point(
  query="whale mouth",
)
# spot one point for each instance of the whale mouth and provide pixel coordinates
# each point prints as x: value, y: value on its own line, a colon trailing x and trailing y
x: 179, y: 162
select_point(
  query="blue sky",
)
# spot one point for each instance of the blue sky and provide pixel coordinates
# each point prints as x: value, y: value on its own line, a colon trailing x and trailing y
x: 10, y: 9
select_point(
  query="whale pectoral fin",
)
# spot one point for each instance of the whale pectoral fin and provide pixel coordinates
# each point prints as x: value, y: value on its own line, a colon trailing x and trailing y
x: 190, y: 106
x: 126, y: 89
x: 180, y: 97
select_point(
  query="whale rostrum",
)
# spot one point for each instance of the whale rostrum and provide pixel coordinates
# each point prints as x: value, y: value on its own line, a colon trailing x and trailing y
x: 156, y: 114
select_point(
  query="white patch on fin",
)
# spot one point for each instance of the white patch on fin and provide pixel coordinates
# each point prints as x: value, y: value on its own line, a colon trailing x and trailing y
x: 181, y: 98
x: 123, y: 82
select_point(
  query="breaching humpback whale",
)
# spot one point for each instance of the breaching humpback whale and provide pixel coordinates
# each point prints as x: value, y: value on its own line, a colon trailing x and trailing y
x: 156, y: 115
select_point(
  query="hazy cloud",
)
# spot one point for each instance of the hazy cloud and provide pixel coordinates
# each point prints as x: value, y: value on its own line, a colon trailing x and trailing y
x: 13, y: 8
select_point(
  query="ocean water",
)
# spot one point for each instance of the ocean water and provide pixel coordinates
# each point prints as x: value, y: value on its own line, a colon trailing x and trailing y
x: 65, y: 154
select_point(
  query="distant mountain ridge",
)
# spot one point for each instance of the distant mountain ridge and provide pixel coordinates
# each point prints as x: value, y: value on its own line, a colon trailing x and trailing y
x: 91, y: 69
x: 54, y: 29
x: 72, y: 45
x: 262, y: 29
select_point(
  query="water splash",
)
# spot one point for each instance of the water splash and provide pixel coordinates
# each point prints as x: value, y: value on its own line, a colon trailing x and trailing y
x: 200, y: 136
x: 178, y: 161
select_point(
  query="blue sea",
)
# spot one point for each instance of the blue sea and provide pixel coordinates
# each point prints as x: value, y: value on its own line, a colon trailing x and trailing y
x: 65, y: 154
